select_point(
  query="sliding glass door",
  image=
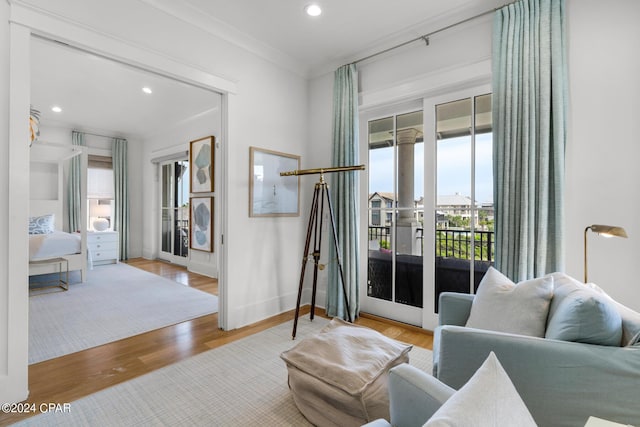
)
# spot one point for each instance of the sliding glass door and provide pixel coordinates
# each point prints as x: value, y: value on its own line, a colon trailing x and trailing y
x: 174, y: 211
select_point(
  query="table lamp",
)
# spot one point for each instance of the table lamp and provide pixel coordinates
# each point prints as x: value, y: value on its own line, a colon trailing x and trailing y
x: 102, y: 211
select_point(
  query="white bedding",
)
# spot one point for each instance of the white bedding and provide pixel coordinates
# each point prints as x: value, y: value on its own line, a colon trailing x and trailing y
x: 58, y: 243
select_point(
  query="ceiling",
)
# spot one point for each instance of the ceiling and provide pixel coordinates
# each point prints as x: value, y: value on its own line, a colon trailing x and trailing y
x: 345, y: 30
x: 103, y: 96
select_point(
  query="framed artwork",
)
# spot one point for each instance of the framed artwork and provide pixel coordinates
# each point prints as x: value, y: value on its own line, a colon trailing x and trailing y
x: 269, y: 193
x: 201, y: 223
x: 201, y: 165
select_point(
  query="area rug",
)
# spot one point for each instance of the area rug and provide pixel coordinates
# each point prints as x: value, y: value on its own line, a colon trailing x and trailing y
x: 243, y: 383
x: 116, y: 301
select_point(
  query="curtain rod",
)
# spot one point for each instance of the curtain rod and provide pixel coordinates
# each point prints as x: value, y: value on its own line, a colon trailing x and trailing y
x: 425, y: 37
x: 97, y: 134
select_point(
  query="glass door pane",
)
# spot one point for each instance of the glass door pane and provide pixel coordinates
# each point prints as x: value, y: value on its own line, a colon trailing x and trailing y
x: 181, y: 230
x: 464, y: 194
x: 381, y: 201
x: 408, y: 229
x: 165, y: 212
x: 174, y: 208
x: 396, y: 177
x: 483, y: 188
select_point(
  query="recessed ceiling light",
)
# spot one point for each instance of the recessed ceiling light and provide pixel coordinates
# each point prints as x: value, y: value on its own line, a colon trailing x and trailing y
x: 147, y: 90
x: 313, y: 10
x: 56, y: 109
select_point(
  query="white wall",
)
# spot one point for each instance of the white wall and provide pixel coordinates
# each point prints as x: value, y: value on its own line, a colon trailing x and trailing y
x: 603, y: 151
x: 13, y: 386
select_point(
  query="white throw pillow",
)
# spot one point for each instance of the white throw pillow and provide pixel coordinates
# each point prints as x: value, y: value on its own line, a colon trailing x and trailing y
x: 487, y: 399
x: 501, y: 305
x: 43, y: 224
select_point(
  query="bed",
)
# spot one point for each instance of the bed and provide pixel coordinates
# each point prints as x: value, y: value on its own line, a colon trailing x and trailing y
x: 47, y: 195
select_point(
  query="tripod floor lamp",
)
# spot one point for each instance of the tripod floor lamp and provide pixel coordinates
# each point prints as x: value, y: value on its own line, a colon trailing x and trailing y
x: 314, y: 230
x: 603, y: 230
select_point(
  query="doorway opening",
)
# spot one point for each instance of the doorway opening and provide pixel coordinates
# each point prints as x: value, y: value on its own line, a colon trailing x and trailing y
x: 174, y: 211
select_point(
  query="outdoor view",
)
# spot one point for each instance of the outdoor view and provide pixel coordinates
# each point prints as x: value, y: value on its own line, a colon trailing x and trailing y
x: 175, y: 208
x: 464, y: 242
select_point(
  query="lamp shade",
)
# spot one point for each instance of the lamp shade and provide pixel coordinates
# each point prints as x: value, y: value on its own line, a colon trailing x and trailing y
x: 608, y: 230
x: 603, y: 230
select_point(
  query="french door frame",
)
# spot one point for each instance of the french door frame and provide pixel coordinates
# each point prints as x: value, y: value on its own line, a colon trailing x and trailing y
x: 389, y: 309
x: 429, y: 316
x: 170, y: 256
x: 424, y: 317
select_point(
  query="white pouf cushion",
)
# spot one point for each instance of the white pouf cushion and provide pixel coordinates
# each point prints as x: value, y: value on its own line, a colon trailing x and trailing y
x: 339, y: 376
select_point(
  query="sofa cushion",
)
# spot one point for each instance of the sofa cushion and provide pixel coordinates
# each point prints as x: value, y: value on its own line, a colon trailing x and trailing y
x: 630, y: 321
x: 501, y: 305
x: 587, y: 317
x: 564, y: 285
x: 487, y: 399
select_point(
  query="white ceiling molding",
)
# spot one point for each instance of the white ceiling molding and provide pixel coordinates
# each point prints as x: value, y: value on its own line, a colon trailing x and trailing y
x: 57, y: 28
x: 429, y: 84
x: 192, y: 15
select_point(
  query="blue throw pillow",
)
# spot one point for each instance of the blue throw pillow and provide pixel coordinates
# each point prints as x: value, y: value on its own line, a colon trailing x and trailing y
x: 41, y: 224
x: 586, y: 317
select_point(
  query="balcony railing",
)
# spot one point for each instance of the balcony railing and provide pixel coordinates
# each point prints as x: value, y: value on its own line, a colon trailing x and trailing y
x: 449, y: 243
x: 454, y: 250
x: 459, y: 244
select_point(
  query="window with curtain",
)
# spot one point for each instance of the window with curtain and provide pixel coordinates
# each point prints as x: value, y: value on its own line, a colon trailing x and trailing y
x: 100, y: 193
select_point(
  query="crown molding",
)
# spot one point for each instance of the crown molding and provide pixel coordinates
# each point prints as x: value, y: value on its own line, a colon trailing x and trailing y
x: 210, y: 24
x: 81, y: 36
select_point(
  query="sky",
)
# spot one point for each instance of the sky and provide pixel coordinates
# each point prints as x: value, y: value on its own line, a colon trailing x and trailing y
x: 453, y: 168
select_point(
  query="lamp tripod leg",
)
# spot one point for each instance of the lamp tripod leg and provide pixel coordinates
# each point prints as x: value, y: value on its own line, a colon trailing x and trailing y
x: 317, y: 250
x: 310, y: 228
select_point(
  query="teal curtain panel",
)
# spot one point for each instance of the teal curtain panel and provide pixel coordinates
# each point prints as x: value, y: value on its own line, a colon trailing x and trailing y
x: 344, y: 194
x: 121, y: 190
x: 529, y: 125
x: 73, y: 186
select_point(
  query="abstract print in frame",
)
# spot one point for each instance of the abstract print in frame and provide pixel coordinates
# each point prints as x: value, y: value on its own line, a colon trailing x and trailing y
x: 201, y: 163
x: 201, y: 223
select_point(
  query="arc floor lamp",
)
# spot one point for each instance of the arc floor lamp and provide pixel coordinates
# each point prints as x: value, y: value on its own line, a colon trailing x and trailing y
x: 603, y: 230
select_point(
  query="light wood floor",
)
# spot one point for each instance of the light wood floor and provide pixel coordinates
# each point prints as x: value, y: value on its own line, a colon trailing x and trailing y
x: 70, y: 377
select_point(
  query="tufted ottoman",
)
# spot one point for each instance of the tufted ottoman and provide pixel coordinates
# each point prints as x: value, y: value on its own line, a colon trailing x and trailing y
x: 339, y: 376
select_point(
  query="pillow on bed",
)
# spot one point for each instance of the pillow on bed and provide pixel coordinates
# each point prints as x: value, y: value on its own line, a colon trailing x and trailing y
x: 41, y: 224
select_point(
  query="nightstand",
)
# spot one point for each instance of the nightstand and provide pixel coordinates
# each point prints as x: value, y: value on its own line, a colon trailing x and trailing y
x: 103, y: 247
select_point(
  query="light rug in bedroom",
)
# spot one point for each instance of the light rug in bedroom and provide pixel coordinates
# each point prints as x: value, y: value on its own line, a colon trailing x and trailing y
x: 243, y: 383
x: 116, y: 301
